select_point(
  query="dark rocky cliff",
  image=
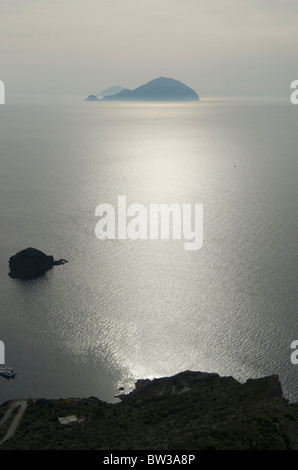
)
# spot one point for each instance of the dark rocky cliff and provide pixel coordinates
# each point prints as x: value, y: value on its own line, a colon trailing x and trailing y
x: 188, y: 411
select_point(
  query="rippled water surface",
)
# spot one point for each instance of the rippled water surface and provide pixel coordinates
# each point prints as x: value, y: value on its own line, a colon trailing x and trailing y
x: 122, y: 309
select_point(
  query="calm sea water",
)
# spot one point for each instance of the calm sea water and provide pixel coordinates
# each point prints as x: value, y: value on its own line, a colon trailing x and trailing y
x: 122, y: 310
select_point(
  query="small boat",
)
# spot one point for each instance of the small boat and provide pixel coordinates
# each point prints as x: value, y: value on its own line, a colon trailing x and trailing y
x: 8, y: 372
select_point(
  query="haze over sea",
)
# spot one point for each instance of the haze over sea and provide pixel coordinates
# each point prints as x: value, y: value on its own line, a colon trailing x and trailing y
x: 121, y: 310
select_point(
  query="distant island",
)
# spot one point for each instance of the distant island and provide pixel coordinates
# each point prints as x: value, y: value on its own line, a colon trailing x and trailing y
x: 159, y: 89
x: 113, y: 90
x: 92, y: 98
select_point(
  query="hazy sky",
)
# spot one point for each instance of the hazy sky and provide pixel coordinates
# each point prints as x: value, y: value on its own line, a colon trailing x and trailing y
x: 218, y: 47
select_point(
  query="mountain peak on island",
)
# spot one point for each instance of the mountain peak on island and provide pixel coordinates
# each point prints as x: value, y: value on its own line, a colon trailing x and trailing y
x: 92, y: 98
x: 159, y: 89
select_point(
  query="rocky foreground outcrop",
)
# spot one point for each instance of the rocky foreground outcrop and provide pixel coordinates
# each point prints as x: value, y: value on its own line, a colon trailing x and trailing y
x: 267, y: 387
x: 188, y: 411
x: 31, y: 263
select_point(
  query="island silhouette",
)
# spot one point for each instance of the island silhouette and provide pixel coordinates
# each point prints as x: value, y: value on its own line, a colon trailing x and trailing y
x: 31, y: 263
x: 92, y: 98
x: 159, y: 89
x: 112, y: 90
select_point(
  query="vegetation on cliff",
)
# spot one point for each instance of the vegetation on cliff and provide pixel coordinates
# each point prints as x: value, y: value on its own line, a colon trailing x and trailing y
x: 188, y: 411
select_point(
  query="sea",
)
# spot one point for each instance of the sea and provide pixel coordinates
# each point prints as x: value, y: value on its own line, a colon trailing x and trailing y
x: 120, y: 309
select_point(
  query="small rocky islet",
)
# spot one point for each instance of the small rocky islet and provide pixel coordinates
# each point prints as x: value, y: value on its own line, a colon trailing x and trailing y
x: 31, y: 263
